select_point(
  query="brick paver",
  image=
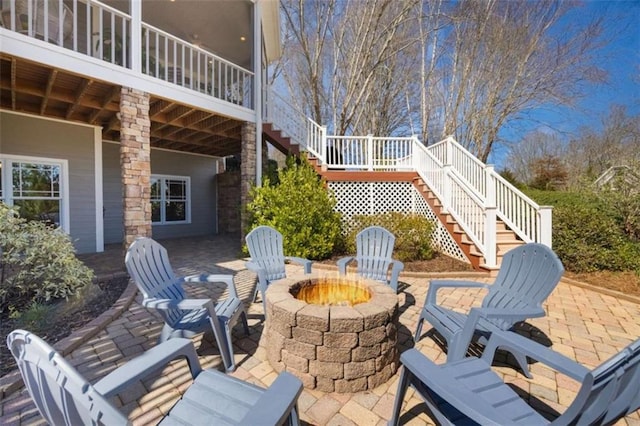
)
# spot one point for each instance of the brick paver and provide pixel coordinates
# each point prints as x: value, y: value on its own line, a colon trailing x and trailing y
x: 581, y: 323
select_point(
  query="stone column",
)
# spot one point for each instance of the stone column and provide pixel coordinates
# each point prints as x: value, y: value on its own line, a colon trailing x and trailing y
x: 135, y: 163
x: 247, y: 171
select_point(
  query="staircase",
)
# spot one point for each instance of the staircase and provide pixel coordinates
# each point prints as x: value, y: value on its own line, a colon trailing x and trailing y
x: 482, y: 213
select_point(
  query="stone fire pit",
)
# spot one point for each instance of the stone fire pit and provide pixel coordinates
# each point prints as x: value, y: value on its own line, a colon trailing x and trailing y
x: 332, y: 348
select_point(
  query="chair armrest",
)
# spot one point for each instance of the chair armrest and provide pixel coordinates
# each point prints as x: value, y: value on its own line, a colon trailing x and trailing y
x: 463, y: 340
x: 145, y: 364
x: 514, y: 342
x: 300, y: 261
x: 435, y: 285
x: 342, y: 264
x: 214, y: 278
x: 396, y: 268
x: 260, y: 271
x: 439, y: 380
x: 186, y: 304
x: 276, y: 403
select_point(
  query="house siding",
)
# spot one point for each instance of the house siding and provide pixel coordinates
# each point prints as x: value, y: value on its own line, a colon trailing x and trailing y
x: 36, y: 137
x: 201, y: 171
x: 112, y: 194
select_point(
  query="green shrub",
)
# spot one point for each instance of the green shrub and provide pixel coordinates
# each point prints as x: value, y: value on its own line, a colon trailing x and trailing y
x: 37, y: 262
x: 413, y: 234
x: 301, y: 208
x: 587, y: 235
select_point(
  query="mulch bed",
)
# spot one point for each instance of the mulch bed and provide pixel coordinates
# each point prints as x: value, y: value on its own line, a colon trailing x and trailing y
x: 66, y: 317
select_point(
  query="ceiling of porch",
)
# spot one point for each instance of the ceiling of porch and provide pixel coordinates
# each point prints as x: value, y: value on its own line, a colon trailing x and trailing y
x: 44, y: 91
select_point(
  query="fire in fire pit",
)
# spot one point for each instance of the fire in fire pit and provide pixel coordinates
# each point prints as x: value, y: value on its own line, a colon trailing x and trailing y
x: 341, y: 345
x: 331, y: 292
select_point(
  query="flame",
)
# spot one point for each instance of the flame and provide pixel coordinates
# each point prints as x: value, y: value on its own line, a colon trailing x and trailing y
x: 332, y: 292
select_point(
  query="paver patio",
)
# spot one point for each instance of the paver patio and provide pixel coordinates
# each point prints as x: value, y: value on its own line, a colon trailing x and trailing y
x: 582, y: 323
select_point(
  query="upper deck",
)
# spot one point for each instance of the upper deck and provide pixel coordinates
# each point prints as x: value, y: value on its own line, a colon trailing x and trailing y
x: 67, y: 59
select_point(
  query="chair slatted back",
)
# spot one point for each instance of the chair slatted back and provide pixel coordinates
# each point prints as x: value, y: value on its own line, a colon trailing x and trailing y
x: 265, y: 246
x: 609, y: 392
x: 374, y: 250
x: 148, y: 264
x: 528, y: 274
x: 59, y: 392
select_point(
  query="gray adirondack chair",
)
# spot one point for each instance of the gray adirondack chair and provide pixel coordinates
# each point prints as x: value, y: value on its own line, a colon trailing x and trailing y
x: 374, y: 250
x: 148, y: 264
x: 468, y: 391
x: 528, y: 274
x: 63, y: 396
x: 268, y: 259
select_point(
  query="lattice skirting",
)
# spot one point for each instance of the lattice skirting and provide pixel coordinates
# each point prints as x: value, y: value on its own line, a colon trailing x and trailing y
x: 369, y: 198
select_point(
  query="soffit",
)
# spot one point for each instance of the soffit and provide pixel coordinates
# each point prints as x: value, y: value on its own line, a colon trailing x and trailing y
x: 41, y: 90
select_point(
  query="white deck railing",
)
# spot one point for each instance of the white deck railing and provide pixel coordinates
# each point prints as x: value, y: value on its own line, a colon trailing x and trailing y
x: 472, y: 192
x: 100, y: 31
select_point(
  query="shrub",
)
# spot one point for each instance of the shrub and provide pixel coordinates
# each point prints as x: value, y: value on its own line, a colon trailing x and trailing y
x: 301, y: 208
x: 586, y: 233
x: 413, y: 232
x: 37, y: 262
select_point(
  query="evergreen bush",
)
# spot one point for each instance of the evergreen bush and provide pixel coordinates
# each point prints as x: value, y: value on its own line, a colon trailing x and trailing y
x: 37, y: 263
x: 301, y: 208
x: 413, y: 232
x: 587, y: 235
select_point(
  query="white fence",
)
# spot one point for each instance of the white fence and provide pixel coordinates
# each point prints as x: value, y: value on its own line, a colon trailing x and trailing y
x: 472, y: 192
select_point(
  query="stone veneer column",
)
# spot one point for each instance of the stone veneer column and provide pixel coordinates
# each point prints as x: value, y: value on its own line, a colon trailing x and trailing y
x: 135, y: 163
x: 247, y: 172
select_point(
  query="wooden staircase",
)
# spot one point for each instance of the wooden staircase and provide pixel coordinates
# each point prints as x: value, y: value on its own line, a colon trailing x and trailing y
x: 506, y: 239
x: 278, y: 140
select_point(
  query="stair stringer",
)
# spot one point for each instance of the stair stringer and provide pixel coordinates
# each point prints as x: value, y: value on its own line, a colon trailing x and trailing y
x: 279, y: 141
x: 506, y: 239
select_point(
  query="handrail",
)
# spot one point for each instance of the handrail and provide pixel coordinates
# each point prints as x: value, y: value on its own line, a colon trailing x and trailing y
x: 98, y: 30
x: 177, y: 61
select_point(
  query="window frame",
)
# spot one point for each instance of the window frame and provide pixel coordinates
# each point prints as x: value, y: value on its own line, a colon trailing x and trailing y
x: 7, y: 190
x: 163, y: 200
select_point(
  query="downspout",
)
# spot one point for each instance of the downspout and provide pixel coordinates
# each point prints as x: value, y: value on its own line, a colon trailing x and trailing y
x: 257, y: 85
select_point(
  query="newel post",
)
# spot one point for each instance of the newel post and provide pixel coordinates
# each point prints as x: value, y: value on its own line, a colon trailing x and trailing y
x: 490, y: 218
x: 545, y: 222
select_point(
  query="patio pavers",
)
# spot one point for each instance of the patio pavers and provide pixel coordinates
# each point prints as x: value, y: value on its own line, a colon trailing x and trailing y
x: 584, y: 324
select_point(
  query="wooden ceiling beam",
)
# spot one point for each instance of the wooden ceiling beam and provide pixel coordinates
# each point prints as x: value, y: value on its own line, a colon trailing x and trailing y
x: 13, y: 83
x: 115, y: 91
x: 50, y: 81
x: 82, y: 90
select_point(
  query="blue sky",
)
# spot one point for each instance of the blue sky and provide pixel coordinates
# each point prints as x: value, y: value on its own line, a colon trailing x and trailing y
x: 621, y: 59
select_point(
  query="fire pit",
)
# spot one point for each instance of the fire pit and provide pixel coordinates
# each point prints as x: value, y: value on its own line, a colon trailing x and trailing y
x: 335, y: 334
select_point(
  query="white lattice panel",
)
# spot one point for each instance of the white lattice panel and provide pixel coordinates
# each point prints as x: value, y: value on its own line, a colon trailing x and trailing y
x: 369, y: 198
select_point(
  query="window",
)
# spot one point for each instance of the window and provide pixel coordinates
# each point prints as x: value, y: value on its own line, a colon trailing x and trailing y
x: 35, y: 187
x: 170, y: 199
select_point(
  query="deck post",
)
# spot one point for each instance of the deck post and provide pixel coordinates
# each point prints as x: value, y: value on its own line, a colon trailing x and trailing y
x: 490, y: 217
x: 136, y: 36
x: 545, y: 222
x: 370, y: 152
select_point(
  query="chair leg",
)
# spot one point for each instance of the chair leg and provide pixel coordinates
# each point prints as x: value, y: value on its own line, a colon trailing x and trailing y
x: 418, y: 334
x: 245, y: 324
x: 403, y: 384
x: 231, y: 367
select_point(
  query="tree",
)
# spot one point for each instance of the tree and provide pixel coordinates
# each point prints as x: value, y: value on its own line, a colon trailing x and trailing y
x: 534, y: 147
x: 505, y: 58
x: 548, y: 173
x: 436, y: 68
x: 593, y: 152
x: 345, y: 63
